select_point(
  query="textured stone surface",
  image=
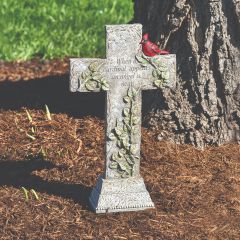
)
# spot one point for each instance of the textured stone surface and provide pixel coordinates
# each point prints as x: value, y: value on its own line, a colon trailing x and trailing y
x: 124, y: 74
x: 120, y: 195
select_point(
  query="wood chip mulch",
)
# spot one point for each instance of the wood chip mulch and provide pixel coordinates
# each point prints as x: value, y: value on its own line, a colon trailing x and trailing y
x: 196, y: 193
x: 32, y: 69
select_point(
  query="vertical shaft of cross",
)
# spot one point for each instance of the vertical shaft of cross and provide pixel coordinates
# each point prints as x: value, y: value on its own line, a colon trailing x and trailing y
x: 123, y: 106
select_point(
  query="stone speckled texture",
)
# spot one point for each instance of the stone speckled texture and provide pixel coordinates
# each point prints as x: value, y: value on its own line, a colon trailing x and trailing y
x: 117, y: 195
x: 123, y: 76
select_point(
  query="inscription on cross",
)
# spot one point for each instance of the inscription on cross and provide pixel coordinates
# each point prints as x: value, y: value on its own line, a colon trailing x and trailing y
x: 123, y: 74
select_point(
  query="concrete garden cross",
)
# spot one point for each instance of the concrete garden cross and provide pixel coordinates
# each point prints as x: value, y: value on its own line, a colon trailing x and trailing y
x: 123, y: 75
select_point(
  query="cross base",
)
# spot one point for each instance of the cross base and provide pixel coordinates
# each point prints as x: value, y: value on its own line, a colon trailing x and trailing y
x: 120, y: 195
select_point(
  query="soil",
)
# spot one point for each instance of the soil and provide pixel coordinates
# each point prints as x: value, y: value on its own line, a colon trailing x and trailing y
x: 196, y: 193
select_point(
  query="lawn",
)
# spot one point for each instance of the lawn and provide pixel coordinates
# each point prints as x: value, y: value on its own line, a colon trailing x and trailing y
x: 57, y: 28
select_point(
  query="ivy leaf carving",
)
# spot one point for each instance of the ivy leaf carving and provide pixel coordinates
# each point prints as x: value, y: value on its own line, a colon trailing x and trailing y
x: 135, y: 120
x: 139, y: 57
x: 119, y: 143
x: 134, y: 92
x: 126, y: 111
x: 89, y: 86
x: 135, y: 129
x: 118, y: 130
x: 130, y: 160
x: 162, y: 67
x: 135, y: 110
x: 84, y: 75
x: 118, y: 123
x: 158, y: 83
x: 112, y: 137
x: 126, y: 99
x: 122, y: 166
x: 123, y: 152
x: 125, y: 142
x: 126, y: 120
x: 93, y: 79
x: 93, y: 67
x: 113, y: 165
x: 104, y: 81
x: 115, y: 157
x: 124, y: 135
x: 105, y: 87
x: 124, y: 132
x: 96, y: 76
x: 154, y: 73
x: 133, y: 148
x: 120, y: 154
x: 125, y: 175
x: 165, y: 75
x: 129, y: 93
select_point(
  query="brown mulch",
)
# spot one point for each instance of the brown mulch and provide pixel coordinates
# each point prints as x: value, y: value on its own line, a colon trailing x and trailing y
x: 196, y: 193
x: 32, y: 69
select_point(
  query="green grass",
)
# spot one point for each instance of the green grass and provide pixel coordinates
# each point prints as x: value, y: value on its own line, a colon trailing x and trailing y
x: 57, y: 28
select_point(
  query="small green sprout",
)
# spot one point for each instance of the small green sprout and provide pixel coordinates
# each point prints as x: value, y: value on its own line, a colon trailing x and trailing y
x: 26, y: 193
x: 48, y: 114
x: 29, y: 116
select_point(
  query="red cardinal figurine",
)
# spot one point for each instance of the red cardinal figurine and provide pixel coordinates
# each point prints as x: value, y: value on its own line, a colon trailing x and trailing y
x: 149, y: 48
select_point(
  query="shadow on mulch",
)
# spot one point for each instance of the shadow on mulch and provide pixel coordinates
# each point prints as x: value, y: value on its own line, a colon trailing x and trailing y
x: 19, y: 173
x: 53, y: 91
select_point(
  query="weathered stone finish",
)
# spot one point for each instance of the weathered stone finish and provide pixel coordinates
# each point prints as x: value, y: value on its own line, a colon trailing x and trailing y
x: 121, y: 188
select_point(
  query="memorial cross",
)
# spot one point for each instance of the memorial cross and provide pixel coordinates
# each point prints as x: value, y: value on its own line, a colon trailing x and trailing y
x: 124, y: 73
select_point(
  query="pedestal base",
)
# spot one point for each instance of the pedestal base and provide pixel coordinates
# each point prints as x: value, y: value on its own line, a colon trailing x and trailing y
x: 120, y: 195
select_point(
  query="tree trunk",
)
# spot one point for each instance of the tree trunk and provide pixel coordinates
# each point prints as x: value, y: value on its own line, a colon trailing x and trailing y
x: 205, y: 36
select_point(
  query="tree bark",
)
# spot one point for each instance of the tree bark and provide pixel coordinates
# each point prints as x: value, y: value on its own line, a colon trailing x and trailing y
x: 205, y: 36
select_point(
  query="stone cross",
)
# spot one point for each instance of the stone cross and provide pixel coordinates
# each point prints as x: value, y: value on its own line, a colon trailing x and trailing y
x: 124, y: 73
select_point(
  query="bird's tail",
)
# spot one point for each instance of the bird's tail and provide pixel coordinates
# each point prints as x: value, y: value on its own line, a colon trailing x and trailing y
x: 163, y: 52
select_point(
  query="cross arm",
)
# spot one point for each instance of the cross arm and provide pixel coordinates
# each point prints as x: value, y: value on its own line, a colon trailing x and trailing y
x: 87, y: 75
x: 161, y: 71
